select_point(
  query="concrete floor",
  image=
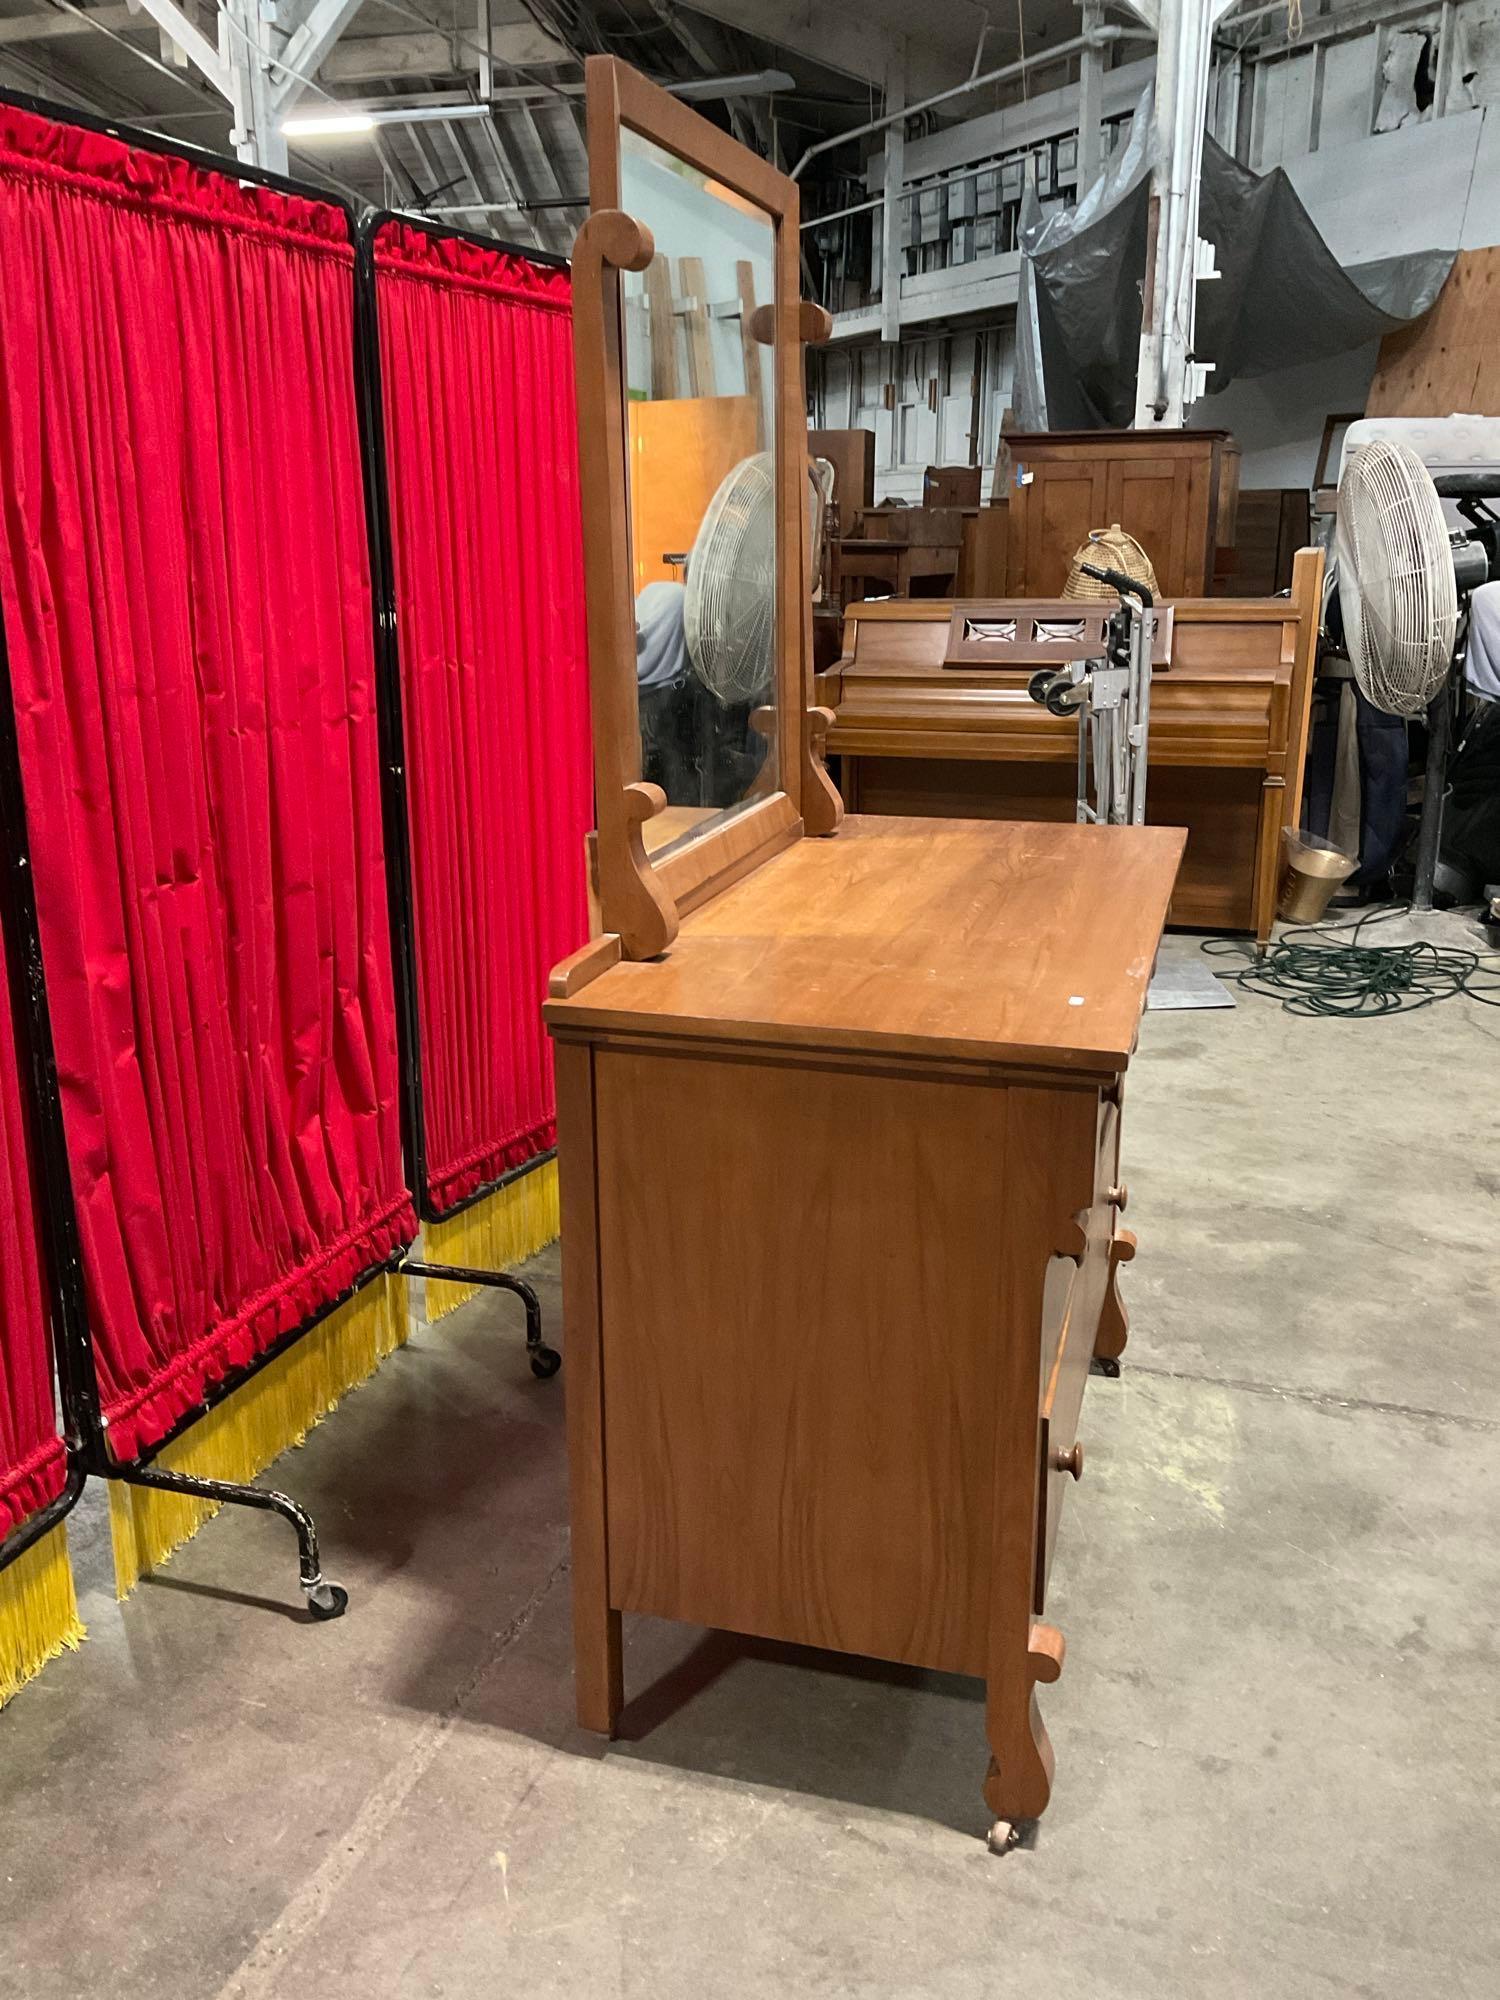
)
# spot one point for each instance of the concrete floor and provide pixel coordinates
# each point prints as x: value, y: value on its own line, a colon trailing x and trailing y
x: 1278, y: 1741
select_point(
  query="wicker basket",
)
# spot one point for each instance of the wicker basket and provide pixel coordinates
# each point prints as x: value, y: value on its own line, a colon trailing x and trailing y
x: 1110, y: 548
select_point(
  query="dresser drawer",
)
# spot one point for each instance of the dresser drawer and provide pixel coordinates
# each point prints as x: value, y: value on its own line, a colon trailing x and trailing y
x: 1057, y: 1304
x: 1107, y: 1154
x: 1072, y: 1303
x: 1062, y: 1400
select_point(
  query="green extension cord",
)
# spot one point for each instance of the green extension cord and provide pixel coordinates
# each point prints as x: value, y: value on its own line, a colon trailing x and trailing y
x: 1323, y: 970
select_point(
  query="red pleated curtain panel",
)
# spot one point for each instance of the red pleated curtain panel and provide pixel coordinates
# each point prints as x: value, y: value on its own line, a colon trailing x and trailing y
x: 187, y: 601
x: 38, y: 1612
x: 481, y: 456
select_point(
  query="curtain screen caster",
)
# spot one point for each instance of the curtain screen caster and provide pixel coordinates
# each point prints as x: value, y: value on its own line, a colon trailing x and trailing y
x: 545, y: 1362
x: 1105, y: 1364
x: 326, y: 1600
x: 1001, y: 1837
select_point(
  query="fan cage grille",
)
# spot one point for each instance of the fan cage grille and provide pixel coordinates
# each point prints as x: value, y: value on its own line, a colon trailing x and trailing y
x: 1396, y: 582
x: 729, y: 616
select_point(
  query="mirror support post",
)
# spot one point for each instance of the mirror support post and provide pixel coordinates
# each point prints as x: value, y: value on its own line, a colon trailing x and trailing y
x: 635, y: 904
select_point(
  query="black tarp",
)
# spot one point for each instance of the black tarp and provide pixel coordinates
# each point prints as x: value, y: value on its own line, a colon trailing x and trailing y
x: 1281, y: 298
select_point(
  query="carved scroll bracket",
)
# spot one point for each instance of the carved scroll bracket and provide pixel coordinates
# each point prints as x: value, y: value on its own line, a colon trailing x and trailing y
x: 1114, y: 1320
x: 610, y: 236
x: 1022, y: 1766
x: 1073, y: 1237
x: 822, y: 808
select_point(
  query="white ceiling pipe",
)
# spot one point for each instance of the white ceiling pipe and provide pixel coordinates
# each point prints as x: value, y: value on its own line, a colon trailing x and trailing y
x: 1108, y: 33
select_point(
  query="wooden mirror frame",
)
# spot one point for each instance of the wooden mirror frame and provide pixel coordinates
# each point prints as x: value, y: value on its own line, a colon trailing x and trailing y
x: 641, y: 900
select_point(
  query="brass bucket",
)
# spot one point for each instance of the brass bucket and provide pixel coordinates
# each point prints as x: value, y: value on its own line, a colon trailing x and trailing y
x: 1311, y: 870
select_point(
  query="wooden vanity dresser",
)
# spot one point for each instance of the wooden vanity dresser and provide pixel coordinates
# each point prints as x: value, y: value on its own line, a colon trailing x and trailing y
x: 839, y: 1130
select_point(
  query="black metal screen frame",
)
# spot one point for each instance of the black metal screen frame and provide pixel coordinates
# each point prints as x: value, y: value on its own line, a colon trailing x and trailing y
x: 84, y: 1432
x: 392, y: 700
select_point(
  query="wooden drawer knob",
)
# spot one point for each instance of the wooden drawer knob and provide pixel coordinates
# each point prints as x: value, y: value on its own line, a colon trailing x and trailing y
x: 1119, y: 1197
x: 1070, y: 1461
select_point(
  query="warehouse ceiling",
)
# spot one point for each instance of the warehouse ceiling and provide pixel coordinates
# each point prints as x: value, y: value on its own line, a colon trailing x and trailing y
x: 520, y: 173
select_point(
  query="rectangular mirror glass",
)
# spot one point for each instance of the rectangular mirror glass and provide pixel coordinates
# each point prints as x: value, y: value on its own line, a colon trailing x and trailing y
x: 701, y: 384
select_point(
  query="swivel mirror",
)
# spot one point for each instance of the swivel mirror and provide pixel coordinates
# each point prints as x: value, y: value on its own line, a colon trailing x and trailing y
x: 702, y: 479
x: 692, y: 433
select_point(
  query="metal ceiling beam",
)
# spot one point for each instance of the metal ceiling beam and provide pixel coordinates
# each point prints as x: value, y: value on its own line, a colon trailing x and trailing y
x: 514, y: 179
x: 371, y: 58
x: 189, y: 37
x: 462, y: 143
x: 54, y: 25
x: 533, y: 131
x: 836, y: 37
x: 311, y: 40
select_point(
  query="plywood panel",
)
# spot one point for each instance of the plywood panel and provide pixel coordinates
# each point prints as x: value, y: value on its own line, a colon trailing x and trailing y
x: 661, y: 309
x: 1450, y: 360
x: 679, y: 452
x: 700, y: 347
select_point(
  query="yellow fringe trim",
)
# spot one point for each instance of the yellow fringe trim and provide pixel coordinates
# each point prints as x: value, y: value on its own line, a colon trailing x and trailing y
x: 505, y: 1228
x: 38, y: 1611
x: 272, y: 1412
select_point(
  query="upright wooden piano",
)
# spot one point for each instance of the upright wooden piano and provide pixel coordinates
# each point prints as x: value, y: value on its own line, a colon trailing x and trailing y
x: 1229, y: 715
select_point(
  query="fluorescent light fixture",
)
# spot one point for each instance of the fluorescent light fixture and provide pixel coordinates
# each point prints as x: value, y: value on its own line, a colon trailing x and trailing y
x: 335, y: 124
x: 748, y: 83
x: 328, y: 125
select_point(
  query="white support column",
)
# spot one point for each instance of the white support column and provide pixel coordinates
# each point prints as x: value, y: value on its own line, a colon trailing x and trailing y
x: 245, y: 48
x: 486, y: 66
x: 267, y: 52
x: 1227, y: 109
x: 1169, y: 380
x: 1091, y: 101
x: 891, y: 261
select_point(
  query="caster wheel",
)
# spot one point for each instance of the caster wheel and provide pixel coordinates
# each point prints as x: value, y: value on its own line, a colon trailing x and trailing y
x: 327, y: 1600
x: 545, y: 1362
x: 1002, y: 1837
x: 1106, y: 1365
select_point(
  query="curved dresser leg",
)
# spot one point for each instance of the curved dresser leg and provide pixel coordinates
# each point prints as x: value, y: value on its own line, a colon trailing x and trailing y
x: 1019, y: 1781
x: 1114, y: 1321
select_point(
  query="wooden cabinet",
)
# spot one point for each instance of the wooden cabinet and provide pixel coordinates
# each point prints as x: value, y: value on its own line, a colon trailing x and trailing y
x: 841, y: 1230
x: 852, y: 456
x: 837, y: 1129
x: 1174, y: 492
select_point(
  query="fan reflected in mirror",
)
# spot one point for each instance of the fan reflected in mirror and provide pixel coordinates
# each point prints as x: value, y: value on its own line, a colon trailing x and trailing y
x: 702, y: 469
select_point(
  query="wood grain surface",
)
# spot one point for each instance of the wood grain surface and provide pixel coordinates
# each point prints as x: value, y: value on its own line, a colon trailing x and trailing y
x: 798, y: 1409
x: 999, y: 941
x: 1449, y: 359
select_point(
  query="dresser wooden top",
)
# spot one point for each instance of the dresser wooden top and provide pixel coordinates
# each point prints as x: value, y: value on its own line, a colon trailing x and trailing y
x: 991, y: 941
